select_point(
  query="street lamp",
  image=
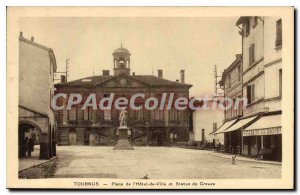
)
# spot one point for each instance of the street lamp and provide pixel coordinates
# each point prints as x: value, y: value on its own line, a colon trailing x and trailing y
x: 147, y: 126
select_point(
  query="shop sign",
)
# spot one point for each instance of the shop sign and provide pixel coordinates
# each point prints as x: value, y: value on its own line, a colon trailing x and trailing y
x: 266, y: 131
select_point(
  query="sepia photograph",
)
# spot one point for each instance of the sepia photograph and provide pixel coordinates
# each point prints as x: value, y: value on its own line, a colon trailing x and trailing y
x: 150, y: 98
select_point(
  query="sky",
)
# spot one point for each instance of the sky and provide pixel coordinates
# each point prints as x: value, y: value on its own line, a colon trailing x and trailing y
x: 170, y: 44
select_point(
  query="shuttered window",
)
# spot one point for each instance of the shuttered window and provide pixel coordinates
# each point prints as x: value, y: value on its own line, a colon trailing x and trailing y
x: 86, y: 113
x: 250, y: 93
x: 72, y: 114
x: 278, y: 41
x: 251, y: 55
x: 107, y: 114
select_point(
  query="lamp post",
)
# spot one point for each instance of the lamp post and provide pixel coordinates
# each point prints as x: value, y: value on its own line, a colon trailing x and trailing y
x: 147, y: 126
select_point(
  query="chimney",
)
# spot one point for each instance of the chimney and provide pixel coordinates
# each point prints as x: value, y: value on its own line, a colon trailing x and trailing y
x: 105, y: 72
x: 133, y: 73
x: 160, y: 73
x: 63, y: 78
x: 182, y: 76
x: 21, y: 34
x: 32, y: 38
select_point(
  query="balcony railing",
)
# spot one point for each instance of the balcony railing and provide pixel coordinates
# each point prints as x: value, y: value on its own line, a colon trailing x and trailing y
x: 256, y: 107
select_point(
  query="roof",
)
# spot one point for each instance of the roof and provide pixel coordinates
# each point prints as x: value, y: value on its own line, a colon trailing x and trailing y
x: 237, y: 60
x: 121, y: 50
x: 242, y: 19
x: 51, y: 53
x: 146, y: 79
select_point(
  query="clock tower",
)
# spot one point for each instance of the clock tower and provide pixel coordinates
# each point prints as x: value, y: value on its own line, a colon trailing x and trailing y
x: 121, y: 60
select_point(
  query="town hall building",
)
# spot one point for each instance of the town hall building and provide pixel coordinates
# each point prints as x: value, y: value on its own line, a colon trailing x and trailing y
x: 100, y: 127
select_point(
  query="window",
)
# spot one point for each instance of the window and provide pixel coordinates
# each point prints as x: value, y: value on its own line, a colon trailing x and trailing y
x: 159, y: 114
x: 86, y: 113
x: 239, y: 73
x: 107, y: 114
x: 278, y: 41
x: 229, y: 81
x: 72, y: 114
x: 240, y: 108
x: 280, y: 83
x: 173, y: 114
x: 247, y: 27
x: 255, y: 21
x: 251, y: 93
x: 251, y: 55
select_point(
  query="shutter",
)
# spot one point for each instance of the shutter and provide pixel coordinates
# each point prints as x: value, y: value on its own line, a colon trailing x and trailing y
x: 253, y: 53
x: 253, y: 93
x: 249, y: 94
x: 250, y: 60
x: 86, y: 114
x: 278, y: 33
x: 72, y: 114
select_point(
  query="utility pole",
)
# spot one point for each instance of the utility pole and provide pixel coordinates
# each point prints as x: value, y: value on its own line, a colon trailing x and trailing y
x: 216, y: 84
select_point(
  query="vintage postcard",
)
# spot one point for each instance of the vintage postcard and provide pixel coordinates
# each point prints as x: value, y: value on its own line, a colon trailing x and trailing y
x: 150, y: 97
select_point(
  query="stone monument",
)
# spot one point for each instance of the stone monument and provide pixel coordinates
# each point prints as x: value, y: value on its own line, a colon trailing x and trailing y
x: 123, y: 142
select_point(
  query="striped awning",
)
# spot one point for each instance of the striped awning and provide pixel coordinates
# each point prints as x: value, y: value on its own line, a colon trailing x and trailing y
x: 224, y: 127
x: 266, y: 125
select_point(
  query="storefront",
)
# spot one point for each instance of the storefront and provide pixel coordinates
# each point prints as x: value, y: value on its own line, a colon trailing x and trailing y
x: 233, y: 135
x: 227, y: 139
x: 263, y: 138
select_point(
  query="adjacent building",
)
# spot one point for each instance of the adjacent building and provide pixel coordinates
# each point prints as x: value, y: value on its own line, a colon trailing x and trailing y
x: 37, y: 65
x: 204, y: 124
x: 231, y: 83
x: 100, y: 127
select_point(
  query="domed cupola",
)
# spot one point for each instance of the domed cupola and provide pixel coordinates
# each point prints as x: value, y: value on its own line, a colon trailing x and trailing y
x: 121, y: 61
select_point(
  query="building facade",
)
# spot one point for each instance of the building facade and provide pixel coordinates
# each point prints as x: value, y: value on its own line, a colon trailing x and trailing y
x: 100, y: 127
x: 262, y: 84
x: 204, y: 124
x: 37, y: 65
x: 258, y: 125
x: 231, y: 83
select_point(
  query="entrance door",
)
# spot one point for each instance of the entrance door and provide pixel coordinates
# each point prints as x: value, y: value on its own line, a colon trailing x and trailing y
x: 72, y: 139
x: 157, y: 139
x: 92, y: 139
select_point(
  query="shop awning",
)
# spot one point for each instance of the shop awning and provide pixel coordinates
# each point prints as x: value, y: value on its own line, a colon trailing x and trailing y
x: 224, y: 127
x: 266, y: 125
x: 241, y: 123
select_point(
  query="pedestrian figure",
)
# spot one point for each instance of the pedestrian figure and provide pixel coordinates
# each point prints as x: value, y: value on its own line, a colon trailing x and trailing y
x: 30, y: 146
x: 233, y: 159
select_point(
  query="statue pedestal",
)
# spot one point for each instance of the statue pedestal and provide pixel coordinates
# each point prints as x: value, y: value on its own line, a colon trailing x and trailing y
x: 123, y: 142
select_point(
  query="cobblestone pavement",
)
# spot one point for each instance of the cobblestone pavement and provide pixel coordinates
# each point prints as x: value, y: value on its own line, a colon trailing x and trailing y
x: 154, y: 163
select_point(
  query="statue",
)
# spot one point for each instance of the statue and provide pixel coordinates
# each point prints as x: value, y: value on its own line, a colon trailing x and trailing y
x: 123, y: 133
x: 123, y: 118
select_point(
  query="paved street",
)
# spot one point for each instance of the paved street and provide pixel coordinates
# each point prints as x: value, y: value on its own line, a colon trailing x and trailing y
x: 155, y: 162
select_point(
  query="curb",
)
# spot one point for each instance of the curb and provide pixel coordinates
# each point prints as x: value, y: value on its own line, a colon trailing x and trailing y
x: 250, y: 160
x: 51, y: 159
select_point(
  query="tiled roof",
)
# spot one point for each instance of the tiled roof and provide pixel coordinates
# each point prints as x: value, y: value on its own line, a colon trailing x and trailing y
x: 146, y: 79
